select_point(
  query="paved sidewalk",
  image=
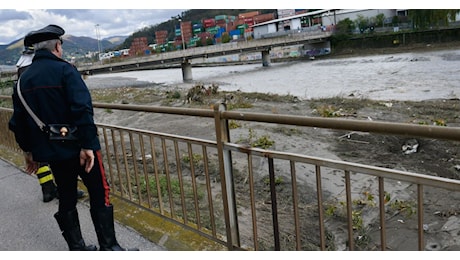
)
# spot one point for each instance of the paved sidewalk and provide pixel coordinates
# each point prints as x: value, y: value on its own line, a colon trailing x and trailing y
x: 27, y: 223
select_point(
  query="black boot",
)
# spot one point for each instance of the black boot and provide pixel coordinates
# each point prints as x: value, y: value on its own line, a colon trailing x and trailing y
x: 80, y: 194
x: 49, y: 191
x: 70, y: 227
x: 45, y: 178
x: 105, y: 229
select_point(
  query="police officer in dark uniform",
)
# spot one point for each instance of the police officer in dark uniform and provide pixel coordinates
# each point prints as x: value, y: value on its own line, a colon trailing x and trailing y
x: 56, y: 93
x: 44, y: 174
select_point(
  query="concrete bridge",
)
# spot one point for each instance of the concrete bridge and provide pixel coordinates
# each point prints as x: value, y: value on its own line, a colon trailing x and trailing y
x: 183, y: 57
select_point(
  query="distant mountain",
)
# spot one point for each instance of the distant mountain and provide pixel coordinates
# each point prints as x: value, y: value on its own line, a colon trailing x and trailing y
x: 73, y: 47
x: 116, y: 40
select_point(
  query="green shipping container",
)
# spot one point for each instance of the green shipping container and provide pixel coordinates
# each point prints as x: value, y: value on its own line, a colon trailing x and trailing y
x: 220, y: 17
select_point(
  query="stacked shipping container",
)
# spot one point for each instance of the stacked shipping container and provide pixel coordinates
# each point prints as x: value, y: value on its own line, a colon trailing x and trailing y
x: 185, y: 30
x: 161, y: 37
x: 235, y: 27
x: 139, y: 46
x: 261, y: 18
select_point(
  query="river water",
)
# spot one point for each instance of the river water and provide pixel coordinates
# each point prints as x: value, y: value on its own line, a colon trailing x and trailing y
x: 408, y: 76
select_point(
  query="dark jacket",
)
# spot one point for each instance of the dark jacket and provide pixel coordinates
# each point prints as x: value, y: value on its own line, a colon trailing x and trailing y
x: 56, y: 92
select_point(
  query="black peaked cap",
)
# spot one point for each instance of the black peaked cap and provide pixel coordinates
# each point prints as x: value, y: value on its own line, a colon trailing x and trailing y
x: 47, y: 33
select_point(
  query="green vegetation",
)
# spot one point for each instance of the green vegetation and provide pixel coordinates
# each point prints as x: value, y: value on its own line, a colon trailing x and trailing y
x: 6, y: 89
x: 366, y: 202
x: 175, y: 188
x: 196, y: 158
x: 278, y: 181
x: 263, y: 141
x: 232, y: 124
x: 426, y: 18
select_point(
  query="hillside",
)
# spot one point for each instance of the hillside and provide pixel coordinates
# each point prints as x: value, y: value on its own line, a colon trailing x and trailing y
x: 74, y: 47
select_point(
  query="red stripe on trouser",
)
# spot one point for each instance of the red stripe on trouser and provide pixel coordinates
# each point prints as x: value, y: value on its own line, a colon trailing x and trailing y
x: 104, y: 178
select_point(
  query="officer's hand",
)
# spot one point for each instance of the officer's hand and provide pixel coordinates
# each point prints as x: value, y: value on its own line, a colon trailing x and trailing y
x: 87, y: 159
x: 31, y: 165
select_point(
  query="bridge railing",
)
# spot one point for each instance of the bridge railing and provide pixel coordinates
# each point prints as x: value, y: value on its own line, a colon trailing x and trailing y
x: 251, y: 198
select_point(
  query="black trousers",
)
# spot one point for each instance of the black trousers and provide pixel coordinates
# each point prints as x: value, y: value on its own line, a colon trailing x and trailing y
x: 66, y: 174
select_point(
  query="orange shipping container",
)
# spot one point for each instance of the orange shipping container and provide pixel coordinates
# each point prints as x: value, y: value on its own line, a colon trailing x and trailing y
x: 263, y: 18
x: 238, y: 22
x: 186, y: 25
x: 301, y: 11
x: 161, y: 33
x: 248, y: 14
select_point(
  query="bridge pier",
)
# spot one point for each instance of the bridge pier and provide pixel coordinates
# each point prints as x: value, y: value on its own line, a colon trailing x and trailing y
x: 186, y: 71
x: 266, y: 58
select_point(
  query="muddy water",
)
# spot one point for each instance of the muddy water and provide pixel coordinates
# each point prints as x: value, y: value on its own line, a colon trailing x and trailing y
x: 408, y: 76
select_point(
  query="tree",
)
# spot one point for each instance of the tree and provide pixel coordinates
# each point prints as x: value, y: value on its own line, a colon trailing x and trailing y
x: 426, y: 18
x: 379, y: 19
x: 362, y: 23
x: 345, y: 26
x: 395, y: 20
x: 226, y: 38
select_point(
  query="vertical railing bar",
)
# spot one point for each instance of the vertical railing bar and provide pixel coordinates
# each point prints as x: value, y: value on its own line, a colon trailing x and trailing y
x: 108, y: 155
x: 209, y: 191
x: 146, y: 175
x: 157, y: 175
x: 276, y: 232
x: 319, y: 194
x: 117, y: 162
x: 125, y: 159
x: 194, y: 187
x: 421, y: 239
x: 383, y: 240
x: 351, y: 241
x: 226, y: 173
x: 253, y: 203
x: 295, y: 205
x: 181, y: 183
x: 168, y: 180
x: 135, y: 170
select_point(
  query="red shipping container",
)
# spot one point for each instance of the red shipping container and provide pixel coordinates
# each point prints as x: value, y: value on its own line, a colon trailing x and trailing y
x: 211, y: 20
x: 204, y: 34
x: 249, y: 20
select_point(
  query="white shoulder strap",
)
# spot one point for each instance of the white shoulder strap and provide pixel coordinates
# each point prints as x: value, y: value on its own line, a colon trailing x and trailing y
x: 40, y: 124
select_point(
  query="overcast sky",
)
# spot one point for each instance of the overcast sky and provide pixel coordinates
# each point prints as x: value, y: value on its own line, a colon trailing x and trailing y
x: 15, y: 24
x: 124, y: 17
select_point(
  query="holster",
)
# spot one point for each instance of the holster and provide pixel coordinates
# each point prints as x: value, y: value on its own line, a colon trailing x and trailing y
x: 61, y: 132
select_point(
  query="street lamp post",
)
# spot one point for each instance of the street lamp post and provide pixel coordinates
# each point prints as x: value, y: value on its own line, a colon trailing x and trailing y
x: 98, y: 42
x: 179, y: 18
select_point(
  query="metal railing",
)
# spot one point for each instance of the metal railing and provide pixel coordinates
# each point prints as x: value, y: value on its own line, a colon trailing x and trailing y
x: 249, y: 198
